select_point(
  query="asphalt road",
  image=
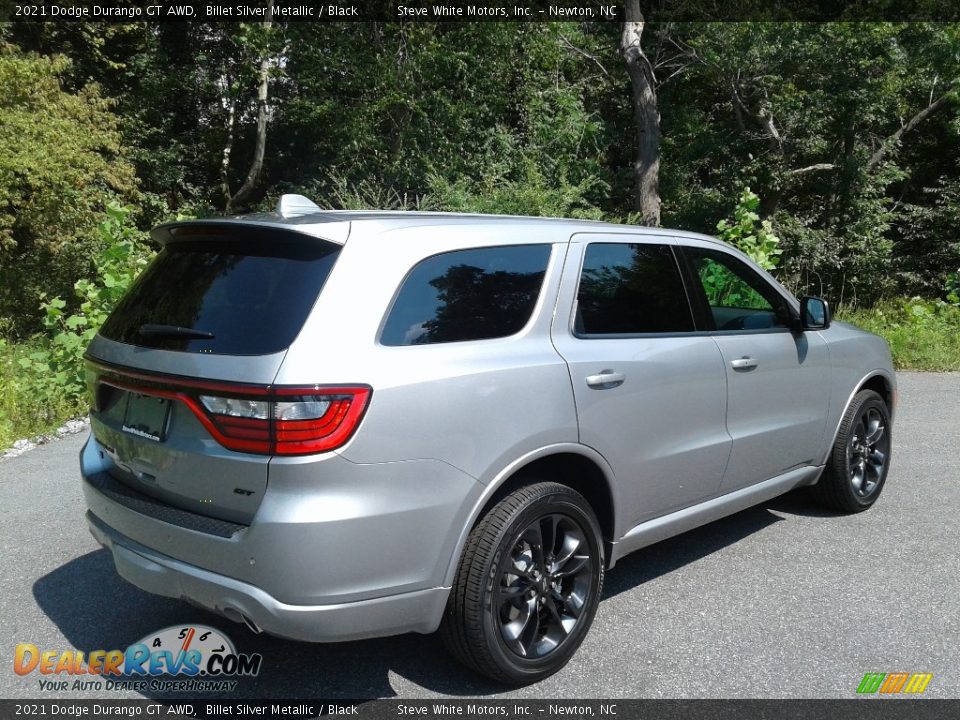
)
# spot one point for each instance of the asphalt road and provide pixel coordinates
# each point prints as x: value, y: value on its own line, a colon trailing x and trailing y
x: 783, y: 600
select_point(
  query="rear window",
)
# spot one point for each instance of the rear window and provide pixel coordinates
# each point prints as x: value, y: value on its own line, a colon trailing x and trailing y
x: 473, y: 294
x: 223, y: 297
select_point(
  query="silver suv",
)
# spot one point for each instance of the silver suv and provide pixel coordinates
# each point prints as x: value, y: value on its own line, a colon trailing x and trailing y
x: 339, y: 425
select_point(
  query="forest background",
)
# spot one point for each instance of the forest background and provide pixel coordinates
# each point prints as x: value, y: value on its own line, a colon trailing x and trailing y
x: 827, y: 150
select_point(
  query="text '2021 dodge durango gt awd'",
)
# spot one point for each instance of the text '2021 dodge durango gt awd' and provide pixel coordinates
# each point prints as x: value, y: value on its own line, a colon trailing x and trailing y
x: 333, y: 425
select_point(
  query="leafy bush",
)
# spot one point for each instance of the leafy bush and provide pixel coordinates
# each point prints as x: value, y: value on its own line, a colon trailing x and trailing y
x: 54, y: 373
x: 952, y: 287
x: 21, y: 414
x: 724, y: 289
x: 748, y: 234
x: 532, y: 194
x: 61, y: 163
x: 923, y: 334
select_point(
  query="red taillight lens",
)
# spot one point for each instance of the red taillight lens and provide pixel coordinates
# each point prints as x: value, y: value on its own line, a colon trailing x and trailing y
x: 317, y: 421
x: 290, y: 421
x: 264, y: 420
x: 237, y: 423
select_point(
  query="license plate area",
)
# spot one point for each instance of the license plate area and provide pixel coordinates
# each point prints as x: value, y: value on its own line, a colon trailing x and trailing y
x: 146, y: 416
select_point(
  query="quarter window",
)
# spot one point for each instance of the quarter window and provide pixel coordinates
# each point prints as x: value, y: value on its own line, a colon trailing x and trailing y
x: 627, y: 289
x: 473, y: 294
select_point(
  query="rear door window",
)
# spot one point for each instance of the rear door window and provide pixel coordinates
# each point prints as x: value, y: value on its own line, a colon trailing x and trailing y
x: 630, y: 289
x: 226, y: 297
x: 474, y: 294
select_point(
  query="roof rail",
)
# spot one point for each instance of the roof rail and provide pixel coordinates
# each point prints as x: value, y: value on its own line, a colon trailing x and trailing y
x: 291, y: 205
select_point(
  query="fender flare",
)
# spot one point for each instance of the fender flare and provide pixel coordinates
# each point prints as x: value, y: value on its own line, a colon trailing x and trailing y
x: 509, y: 471
x: 876, y: 372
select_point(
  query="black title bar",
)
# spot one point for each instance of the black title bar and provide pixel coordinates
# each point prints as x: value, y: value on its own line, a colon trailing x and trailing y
x: 153, y: 11
x: 506, y: 709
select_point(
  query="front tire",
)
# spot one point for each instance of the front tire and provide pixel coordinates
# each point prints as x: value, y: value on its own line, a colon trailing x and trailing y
x: 857, y: 468
x: 528, y: 585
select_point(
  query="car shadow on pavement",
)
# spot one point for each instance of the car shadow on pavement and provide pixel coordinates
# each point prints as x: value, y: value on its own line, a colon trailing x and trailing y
x: 95, y: 609
x: 668, y: 555
x: 801, y: 502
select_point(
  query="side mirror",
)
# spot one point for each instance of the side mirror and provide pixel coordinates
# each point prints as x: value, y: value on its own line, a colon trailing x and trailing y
x: 814, y: 313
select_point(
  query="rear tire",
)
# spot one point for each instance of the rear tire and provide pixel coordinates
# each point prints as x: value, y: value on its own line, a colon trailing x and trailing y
x: 857, y: 468
x: 528, y: 585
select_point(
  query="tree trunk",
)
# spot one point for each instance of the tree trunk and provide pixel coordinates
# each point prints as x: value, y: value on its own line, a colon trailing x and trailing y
x: 894, y: 139
x: 263, y: 111
x: 228, y: 146
x: 646, y: 166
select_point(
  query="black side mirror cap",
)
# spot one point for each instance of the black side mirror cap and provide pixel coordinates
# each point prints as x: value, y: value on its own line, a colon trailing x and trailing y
x: 814, y: 313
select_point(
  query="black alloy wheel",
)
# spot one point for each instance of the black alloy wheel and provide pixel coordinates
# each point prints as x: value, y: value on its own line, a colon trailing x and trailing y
x: 528, y: 585
x: 545, y: 581
x: 857, y: 467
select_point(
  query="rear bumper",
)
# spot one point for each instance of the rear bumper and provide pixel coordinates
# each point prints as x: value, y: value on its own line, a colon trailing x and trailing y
x: 418, y: 611
x: 336, y: 550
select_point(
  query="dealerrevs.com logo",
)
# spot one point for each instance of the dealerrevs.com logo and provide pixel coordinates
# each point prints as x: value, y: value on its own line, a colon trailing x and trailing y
x: 192, y: 658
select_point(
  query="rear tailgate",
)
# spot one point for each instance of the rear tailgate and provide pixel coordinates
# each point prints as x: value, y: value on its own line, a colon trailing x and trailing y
x: 180, y: 371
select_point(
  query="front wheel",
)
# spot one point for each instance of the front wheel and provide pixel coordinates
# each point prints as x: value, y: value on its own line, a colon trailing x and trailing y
x: 858, y: 465
x: 528, y: 585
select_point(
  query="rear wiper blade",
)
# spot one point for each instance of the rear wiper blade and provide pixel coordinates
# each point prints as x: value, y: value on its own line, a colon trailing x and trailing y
x: 149, y: 329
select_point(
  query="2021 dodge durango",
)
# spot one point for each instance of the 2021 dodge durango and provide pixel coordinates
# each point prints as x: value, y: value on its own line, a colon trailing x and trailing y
x: 333, y: 425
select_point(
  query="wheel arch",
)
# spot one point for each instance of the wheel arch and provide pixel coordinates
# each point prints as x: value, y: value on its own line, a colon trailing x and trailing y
x: 577, y: 466
x: 881, y: 382
x: 881, y: 385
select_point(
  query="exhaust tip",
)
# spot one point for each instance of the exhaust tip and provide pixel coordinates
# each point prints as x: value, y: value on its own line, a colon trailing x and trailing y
x: 239, y: 617
x: 251, y: 625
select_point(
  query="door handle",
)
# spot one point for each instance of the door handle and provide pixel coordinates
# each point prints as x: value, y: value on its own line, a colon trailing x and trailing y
x: 744, y: 363
x: 606, y: 379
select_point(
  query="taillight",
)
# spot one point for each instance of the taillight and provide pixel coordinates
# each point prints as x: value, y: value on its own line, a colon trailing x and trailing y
x: 237, y: 423
x: 275, y: 420
x: 290, y: 421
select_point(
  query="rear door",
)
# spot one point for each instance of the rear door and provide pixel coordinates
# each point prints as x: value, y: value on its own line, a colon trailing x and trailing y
x: 650, y: 390
x: 778, y: 381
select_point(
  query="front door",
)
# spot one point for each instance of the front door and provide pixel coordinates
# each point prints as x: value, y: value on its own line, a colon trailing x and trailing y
x: 778, y: 380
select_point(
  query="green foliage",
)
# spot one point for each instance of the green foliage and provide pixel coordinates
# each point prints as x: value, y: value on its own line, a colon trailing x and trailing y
x: 55, y: 372
x: 928, y: 241
x: 22, y: 414
x: 797, y: 110
x: 951, y: 287
x: 749, y: 234
x: 724, y: 289
x: 424, y: 116
x: 530, y: 195
x: 337, y: 193
x: 61, y: 162
x: 537, y: 118
x: 923, y: 334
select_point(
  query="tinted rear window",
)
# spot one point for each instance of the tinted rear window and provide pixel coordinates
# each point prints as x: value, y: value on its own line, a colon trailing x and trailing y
x: 631, y: 289
x: 467, y: 295
x: 252, y: 299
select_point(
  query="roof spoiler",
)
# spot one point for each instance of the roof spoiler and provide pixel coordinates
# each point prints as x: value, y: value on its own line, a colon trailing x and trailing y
x: 295, y: 205
x: 250, y: 230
